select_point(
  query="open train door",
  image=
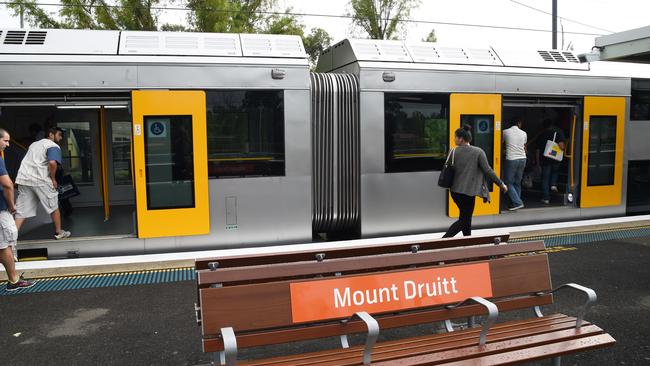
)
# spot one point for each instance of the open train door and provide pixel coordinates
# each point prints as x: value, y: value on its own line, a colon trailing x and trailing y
x: 170, y: 163
x: 483, y: 113
x: 602, y: 151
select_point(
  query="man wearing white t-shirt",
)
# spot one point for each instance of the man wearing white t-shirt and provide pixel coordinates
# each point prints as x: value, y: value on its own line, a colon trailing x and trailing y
x: 515, y: 139
x: 37, y: 183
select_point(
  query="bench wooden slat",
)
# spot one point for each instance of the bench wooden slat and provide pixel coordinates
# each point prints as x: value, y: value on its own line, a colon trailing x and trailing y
x: 353, y: 251
x: 534, y: 353
x: 268, y: 305
x: 367, y: 263
x: 426, y: 344
x: 385, y: 322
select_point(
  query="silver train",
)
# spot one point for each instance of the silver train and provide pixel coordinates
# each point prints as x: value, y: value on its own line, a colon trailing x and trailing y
x: 188, y: 141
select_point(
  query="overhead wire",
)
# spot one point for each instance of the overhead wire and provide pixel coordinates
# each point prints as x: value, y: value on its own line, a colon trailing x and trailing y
x: 563, y: 18
x: 173, y: 8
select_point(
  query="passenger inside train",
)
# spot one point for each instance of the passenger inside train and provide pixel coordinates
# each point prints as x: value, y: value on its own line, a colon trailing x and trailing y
x: 536, y: 121
x: 90, y: 167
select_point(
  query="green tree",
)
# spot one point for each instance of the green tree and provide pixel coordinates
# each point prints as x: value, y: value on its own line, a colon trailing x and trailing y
x: 382, y: 19
x: 431, y: 37
x: 228, y: 16
x: 315, y: 42
x: 91, y: 14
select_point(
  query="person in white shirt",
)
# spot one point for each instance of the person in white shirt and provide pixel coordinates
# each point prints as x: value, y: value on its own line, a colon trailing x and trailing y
x: 36, y: 181
x: 515, y: 139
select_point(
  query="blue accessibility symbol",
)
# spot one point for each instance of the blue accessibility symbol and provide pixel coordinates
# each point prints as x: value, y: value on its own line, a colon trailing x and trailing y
x: 483, y: 126
x: 157, y: 128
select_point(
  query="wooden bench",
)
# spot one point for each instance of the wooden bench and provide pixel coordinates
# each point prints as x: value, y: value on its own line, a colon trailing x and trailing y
x: 271, y: 299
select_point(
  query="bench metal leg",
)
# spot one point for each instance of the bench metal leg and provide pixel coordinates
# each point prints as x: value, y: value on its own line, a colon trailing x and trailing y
x: 557, y: 361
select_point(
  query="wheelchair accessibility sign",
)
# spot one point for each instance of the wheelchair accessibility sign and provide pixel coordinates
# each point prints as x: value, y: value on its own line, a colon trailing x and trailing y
x: 158, y: 128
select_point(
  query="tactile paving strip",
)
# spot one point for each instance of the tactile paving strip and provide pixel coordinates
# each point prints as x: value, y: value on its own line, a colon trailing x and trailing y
x: 559, y: 241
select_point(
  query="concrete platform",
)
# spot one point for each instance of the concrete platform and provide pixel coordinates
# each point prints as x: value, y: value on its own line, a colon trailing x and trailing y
x: 154, y: 324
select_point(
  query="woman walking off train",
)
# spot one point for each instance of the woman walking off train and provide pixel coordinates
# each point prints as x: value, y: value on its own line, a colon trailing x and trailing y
x: 472, y: 174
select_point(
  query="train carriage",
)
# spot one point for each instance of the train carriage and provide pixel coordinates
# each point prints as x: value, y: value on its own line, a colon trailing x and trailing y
x: 185, y: 141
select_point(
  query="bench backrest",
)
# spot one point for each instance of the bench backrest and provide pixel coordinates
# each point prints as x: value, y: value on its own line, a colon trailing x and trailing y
x: 348, y: 251
x: 282, y: 302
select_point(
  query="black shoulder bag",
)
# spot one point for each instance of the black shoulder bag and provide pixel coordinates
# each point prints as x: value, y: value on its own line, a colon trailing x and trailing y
x: 446, y: 178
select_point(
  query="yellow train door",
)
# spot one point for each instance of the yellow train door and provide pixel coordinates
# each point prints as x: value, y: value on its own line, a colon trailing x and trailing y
x: 602, y: 151
x: 170, y: 163
x: 483, y: 113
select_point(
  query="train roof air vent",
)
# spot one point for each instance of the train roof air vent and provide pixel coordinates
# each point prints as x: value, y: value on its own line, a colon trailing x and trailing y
x: 36, y: 37
x: 183, y: 42
x: 15, y: 37
x: 545, y: 59
x: 133, y: 42
x: 272, y: 45
x: 558, y: 56
x: 426, y: 52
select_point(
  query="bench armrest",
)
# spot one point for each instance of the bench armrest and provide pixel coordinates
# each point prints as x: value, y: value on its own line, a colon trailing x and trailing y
x: 591, y: 298
x: 493, y: 314
x: 371, y: 339
x: 229, y: 354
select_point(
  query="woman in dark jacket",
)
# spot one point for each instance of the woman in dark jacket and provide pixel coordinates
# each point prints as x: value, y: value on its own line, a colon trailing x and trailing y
x: 472, y: 174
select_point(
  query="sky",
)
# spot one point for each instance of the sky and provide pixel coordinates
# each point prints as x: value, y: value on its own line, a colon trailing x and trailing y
x: 606, y: 15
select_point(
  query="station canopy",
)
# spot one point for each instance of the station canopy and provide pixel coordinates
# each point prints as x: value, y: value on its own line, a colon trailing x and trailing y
x: 629, y: 46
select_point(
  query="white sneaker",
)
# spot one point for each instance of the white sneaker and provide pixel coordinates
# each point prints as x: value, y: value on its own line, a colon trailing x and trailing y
x: 546, y: 202
x: 62, y: 235
x: 554, y: 189
x: 516, y: 208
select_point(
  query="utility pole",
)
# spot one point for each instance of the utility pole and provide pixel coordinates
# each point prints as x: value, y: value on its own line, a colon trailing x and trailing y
x: 21, y: 17
x: 554, y: 32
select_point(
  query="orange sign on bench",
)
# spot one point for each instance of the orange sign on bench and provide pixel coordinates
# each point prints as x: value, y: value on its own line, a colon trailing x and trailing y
x: 342, y: 297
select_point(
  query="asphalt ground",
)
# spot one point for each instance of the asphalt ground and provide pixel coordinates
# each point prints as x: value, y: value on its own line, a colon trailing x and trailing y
x: 154, y: 324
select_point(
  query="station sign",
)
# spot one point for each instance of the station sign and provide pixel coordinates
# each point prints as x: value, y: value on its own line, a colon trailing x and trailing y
x: 378, y: 293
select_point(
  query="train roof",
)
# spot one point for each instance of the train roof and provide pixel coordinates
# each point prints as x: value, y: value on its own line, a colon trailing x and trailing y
x: 395, y: 54
x: 140, y: 46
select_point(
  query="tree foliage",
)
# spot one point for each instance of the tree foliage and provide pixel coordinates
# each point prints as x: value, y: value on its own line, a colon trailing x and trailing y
x: 382, y: 19
x: 91, y: 14
x: 222, y: 16
x: 431, y: 37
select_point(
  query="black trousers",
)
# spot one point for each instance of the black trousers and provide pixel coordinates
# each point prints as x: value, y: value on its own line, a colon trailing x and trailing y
x: 466, y: 205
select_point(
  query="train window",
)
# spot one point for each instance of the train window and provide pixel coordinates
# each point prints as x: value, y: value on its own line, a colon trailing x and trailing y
x: 638, y: 181
x: 169, y: 162
x: 640, y: 108
x: 602, y: 150
x: 245, y: 133
x: 416, y: 131
x: 121, y: 145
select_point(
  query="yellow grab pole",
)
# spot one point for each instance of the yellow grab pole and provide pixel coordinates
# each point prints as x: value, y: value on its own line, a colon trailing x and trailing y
x: 103, y: 160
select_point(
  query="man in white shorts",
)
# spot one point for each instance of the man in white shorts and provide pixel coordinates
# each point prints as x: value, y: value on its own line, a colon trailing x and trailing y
x: 8, y: 230
x: 37, y: 183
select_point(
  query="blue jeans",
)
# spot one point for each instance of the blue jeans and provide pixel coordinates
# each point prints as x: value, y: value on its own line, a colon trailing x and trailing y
x: 549, y: 178
x: 514, y: 175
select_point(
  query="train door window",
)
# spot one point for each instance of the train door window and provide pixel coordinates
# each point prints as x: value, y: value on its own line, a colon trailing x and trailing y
x: 482, y: 132
x: 640, y: 101
x: 416, y: 131
x: 169, y: 162
x: 245, y: 133
x: 602, y: 150
x: 77, y: 151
